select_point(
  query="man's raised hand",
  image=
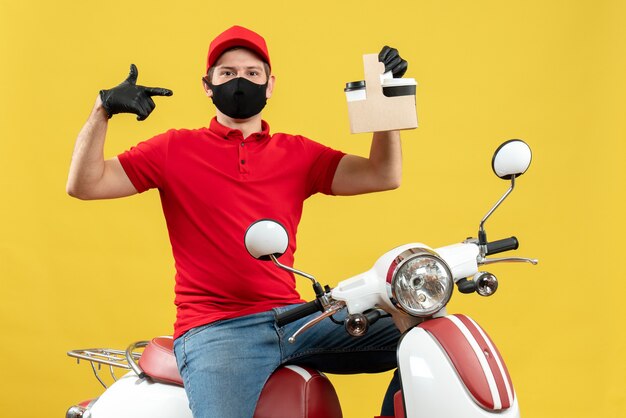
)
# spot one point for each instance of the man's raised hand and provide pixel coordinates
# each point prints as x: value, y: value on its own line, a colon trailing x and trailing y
x: 128, y: 97
x: 393, y: 61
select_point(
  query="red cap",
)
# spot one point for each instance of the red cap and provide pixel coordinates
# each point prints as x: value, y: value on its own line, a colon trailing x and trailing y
x: 237, y: 36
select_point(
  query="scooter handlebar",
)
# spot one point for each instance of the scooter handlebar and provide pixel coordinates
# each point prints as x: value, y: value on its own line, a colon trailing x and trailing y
x: 502, y: 245
x: 298, y: 312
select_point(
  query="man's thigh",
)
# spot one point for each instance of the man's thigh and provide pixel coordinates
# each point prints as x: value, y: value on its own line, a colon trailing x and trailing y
x: 225, y: 365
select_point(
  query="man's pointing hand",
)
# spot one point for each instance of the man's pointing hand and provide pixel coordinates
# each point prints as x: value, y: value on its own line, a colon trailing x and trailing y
x: 128, y: 97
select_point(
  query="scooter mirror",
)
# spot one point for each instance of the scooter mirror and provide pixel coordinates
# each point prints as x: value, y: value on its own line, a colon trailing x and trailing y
x: 266, y: 237
x: 512, y: 158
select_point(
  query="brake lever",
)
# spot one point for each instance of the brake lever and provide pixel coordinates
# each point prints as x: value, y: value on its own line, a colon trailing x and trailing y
x: 532, y: 261
x: 332, y: 309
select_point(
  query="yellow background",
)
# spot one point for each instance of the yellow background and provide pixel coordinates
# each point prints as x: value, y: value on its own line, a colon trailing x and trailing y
x: 77, y: 274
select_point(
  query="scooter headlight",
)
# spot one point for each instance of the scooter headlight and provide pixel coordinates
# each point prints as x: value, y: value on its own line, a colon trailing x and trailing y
x: 419, y: 282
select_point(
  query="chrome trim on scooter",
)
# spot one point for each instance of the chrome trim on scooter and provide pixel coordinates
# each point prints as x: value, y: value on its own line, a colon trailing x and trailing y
x: 532, y: 261
x: 335, y: 307
x: 76, y: 411
x: 399, y: 262
x: 291, y: 269
x: 481, y: 227
x: 486, y: 283
x: 99, y: 356
x: 130, y: 357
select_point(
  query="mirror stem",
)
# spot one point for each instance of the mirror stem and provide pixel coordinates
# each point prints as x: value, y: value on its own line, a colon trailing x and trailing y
x: 482, y: 235
x: 298, y: 272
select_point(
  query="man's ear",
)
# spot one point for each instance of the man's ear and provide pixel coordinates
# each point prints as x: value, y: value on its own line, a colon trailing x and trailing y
x: 270, y: 87
x: 206, y: 86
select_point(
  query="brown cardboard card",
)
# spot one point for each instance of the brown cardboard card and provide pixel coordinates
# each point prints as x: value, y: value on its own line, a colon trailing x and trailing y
x: 378, y: 112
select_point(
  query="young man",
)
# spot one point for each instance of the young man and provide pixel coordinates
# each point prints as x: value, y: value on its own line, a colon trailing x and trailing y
x: 214, y: 182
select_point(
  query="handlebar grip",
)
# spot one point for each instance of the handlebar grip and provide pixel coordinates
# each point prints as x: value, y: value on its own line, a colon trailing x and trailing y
x: 298, y: 312
x: 502, y: 245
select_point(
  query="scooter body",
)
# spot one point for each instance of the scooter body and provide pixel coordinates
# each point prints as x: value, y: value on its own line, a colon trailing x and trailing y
x: 154, y: 388
x: 448, y: 368
x: 449, y: 371
x: 134, y: 397
x: 448, y: 365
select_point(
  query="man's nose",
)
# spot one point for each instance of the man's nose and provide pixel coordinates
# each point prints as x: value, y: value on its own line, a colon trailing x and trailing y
x: 238, y: 91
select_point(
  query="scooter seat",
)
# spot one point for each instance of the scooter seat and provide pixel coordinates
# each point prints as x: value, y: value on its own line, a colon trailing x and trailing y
x: 298, y: 392
x: 290, y: 392
x: 158, y: 361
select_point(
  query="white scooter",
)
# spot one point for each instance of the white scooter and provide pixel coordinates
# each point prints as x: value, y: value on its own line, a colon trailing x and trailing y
x: 448, y: 365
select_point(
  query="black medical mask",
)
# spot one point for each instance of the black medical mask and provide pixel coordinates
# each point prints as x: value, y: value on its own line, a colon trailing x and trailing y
x: 239, y: 98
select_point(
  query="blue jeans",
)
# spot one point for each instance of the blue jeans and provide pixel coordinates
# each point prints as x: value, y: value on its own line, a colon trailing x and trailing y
x: 225, y: 364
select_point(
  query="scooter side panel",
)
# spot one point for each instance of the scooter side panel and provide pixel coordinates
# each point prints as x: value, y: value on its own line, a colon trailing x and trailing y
x: 131, y: 397
x: 431, y: 385
x: 475, y: 358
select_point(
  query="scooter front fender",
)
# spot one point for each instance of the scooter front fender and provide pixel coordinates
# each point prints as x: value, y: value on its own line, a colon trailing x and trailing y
x: 450, y: 368
x: 131, y: 397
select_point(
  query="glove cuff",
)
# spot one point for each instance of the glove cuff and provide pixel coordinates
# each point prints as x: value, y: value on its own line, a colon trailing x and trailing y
x: 104, y: 98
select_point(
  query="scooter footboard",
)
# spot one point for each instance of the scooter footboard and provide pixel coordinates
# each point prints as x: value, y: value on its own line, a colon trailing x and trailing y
x: 450, y: 367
